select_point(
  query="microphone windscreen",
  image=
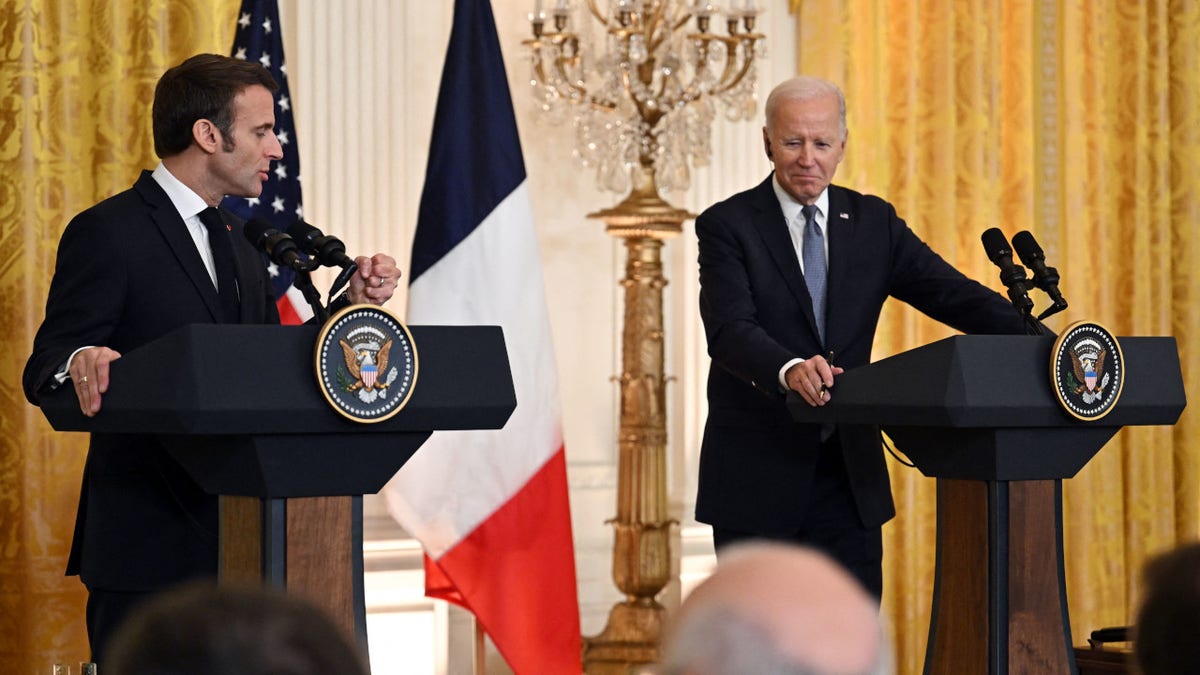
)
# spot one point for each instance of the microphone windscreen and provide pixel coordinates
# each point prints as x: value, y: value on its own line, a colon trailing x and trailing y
x: 302, y: 231
x: 1027, y: 247
x: 256, y: 230
x: 995, y: 243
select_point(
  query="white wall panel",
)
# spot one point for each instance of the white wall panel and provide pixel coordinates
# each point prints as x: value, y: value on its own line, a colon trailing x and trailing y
x: 364, y: 76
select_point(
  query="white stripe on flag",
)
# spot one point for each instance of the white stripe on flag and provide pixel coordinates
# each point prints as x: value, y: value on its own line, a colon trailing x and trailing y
x: 457, y: 479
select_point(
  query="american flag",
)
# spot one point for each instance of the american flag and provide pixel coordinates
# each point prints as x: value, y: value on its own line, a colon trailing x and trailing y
x: 260, y: 38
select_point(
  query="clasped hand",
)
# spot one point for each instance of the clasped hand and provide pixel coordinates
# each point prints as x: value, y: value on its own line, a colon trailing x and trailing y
x: 812, y: 379
x: 375, y: 280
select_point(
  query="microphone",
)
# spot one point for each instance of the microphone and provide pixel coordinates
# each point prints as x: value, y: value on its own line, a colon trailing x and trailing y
x: 276, y: 245
x: 1011, y: 274
x: 1045, y: 278
x: 329, y: 251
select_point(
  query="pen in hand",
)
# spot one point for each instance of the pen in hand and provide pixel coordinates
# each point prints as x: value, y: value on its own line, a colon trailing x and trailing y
x: 824, y: 389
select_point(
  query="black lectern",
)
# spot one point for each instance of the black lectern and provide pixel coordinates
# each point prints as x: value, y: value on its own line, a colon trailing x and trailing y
x: 239, y: 408
x: 979, y: 414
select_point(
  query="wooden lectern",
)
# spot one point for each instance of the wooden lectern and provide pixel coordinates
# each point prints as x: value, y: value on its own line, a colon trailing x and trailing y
x: 239, y: 408
x: 979, y: 414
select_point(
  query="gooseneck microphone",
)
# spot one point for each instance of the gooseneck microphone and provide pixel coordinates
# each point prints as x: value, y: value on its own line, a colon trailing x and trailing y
x: 328, y: 250
x: 279, y: 247
x: 1045, y: 278
x: 1012, y: 275
x: 282, y: 250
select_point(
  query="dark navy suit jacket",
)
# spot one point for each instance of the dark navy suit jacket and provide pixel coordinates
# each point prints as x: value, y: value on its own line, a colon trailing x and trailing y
x: 756, y: 465
x: 128, y: 272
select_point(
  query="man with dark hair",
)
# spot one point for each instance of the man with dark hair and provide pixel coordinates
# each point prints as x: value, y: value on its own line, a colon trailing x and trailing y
x: 201, y: 629
x: 1167, y: 635
x: 203, y: 87
x: 135, y: 267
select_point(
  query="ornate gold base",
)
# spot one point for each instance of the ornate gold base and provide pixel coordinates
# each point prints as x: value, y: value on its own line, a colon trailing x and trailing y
x: 632, y: 637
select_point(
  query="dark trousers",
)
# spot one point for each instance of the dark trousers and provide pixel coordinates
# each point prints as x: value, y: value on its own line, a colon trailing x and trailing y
x: 831, y: 524
x: 106, y: 612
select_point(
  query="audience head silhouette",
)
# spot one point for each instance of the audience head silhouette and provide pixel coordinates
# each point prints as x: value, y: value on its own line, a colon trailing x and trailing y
x: 781, y: 610
x: 205, y: 629
x: 1167, y: 636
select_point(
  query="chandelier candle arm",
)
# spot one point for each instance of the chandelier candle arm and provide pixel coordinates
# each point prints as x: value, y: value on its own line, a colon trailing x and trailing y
x: 636, y: 85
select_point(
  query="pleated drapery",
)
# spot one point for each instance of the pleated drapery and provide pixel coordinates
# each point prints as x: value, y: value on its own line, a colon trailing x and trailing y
x: 1079, y: 122
x: 76, y: 83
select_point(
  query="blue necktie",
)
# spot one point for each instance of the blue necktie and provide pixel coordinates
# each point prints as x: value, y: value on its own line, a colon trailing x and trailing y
x: 814, y: 266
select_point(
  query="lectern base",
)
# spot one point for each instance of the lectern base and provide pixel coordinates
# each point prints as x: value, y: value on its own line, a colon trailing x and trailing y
x: 310, y: 546
x: 1013, y: 619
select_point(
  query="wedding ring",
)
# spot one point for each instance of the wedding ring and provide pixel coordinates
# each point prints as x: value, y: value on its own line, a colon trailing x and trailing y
x: 83, y: 380
x: 380, y: 284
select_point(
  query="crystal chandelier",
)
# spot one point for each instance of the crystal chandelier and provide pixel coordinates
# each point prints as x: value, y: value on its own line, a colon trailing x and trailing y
x: 644, y: 91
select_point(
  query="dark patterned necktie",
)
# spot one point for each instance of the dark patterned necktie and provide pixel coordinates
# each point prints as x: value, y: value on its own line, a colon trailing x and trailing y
x: 222, y: 252
x: 814, y: 266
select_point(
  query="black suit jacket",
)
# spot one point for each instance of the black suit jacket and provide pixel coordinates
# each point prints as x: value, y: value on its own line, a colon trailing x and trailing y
x: 127, y: 273
x: 756, y: 465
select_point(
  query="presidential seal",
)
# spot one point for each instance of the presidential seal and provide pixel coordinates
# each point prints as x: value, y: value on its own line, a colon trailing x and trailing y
x: 366, y: 363
x: 1087, y: 370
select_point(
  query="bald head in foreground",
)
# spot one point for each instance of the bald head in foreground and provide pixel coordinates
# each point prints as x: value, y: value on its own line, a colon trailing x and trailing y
x: 781, y: 610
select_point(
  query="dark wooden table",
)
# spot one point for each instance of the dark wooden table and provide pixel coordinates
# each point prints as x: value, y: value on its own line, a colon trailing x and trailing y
x: 1104, y: 661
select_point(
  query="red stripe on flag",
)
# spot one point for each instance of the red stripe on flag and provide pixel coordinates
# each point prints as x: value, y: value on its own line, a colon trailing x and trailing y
x: 287, y: 312
x: 438, y: 586
x: 516, y: 573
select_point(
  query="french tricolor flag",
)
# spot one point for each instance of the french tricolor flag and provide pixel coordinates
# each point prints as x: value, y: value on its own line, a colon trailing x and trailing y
x: 491, y: 507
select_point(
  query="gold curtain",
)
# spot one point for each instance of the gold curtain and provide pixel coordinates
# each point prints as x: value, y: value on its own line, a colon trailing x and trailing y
x: 76, y: 82
x: 1081, y: 123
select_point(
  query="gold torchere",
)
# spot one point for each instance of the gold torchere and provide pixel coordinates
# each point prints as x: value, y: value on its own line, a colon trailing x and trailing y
x: 641, y: 549
x: 642, y: 101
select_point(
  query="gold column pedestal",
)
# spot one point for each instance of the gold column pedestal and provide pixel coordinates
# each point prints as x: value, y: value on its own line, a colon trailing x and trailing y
x: 641, y: 549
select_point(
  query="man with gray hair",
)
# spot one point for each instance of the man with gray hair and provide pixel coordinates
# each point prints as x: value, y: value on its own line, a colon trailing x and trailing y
x: 777, y: 609
x: 793, y: 276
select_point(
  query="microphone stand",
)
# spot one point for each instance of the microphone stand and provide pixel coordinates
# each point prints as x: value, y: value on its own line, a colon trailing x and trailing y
x: 1046, y: 279
x: 1018, y: 293
x: 304, y: 282
x: 342, y: 279
x: 1013, y: 277
x: 1033, y: 326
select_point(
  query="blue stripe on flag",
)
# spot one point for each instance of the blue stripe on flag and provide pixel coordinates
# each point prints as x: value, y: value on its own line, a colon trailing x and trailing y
x: 474, y: 120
